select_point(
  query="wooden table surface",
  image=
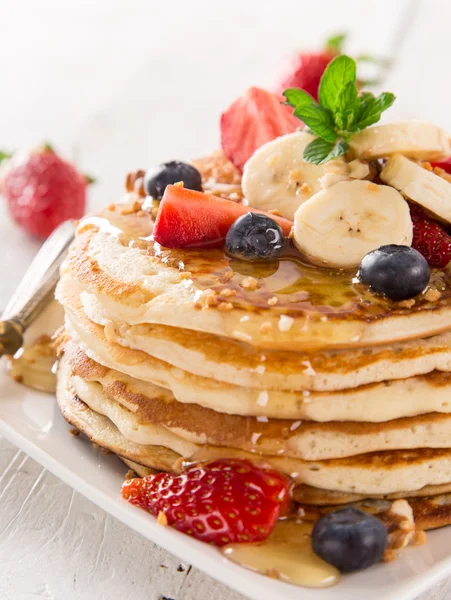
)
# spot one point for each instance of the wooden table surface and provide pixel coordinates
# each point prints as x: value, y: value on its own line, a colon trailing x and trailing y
x: 120, y: 85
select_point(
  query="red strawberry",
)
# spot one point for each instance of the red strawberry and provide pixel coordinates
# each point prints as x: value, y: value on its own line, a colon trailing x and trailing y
x: 443, y: 164
x: 256, y: 117
x: 306, y: 71
x: 42, y: 190
x: 189, y: 219
x: 430, y: 239
x: 222, y: 502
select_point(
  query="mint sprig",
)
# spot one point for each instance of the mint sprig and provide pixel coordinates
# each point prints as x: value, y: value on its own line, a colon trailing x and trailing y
x: 341, y: 112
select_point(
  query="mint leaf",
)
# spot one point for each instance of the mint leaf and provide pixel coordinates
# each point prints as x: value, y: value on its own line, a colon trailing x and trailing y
x: 340, y: 113
x: 314, y: 116
x: 297, y: 97
x: 319, y: 120
x: 335, y: 42
x: 340, y: 71
x: 347, y: 98
x: 319, y: 151
x: 371, y: 108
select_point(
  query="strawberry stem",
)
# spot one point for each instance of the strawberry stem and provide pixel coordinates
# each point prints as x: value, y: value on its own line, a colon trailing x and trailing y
x: 336, y: 42
x: 90, y: 179
x: 47, y: 147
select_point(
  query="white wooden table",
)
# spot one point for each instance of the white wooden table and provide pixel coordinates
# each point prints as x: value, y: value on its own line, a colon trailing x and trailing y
x: 119, y: 85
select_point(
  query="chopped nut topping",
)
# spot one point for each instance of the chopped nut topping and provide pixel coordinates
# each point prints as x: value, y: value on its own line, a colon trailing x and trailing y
x: 225, y: 306
x: 406, y: 303
x: 250, y: 283
x: 162, y: 519
x: 305, y: 188
x: 134, y: 182
x: 273, y: 301
x: 372, y: 187
x: 274, y: 212
x: 228, y: 293
x: 207, y: 298
x: 227, y: 276
x: 73, y: 431
x: 111, y: 207
x: 265, y: 327
x: 129, y: 475
x: 129, y: 209
x: 432, y: 295
x: 179, y: 184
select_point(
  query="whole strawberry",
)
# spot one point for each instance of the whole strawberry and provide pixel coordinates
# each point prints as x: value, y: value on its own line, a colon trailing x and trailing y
x: 430, y: 239
x: 307, y: 68
x: 42, y: 190
x: 222, y: 502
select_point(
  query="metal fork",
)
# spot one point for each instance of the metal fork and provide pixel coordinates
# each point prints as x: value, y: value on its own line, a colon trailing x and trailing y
x: 35, y: 289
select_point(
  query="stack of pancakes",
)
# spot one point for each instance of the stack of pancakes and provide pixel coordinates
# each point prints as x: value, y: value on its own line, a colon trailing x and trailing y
x: 175, y: 356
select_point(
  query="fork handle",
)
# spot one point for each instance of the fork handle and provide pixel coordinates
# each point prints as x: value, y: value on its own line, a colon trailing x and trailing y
x: 35, y: 289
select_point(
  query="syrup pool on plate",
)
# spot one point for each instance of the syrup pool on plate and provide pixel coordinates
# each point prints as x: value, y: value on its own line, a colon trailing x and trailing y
x: 286, y: 555
x: 34, y: 365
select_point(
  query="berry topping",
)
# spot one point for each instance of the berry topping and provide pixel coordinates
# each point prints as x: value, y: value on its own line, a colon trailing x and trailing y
x: 254, y: 237
x: 399, y: 272
x: 430, y: 239
x: 157, y: 178
x: 255, y: 118
x: 349, y: 539
x: 225, y: 501
x: 443, y: 164
x: 42, y: 190
x: 306, y: 69
x: 189, y: 219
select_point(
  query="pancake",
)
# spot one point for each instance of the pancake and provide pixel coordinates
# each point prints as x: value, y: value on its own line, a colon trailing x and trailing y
x: 127, y: 277
x: 378, y: 402
x: 146, y: 414
x: 227, y: 360
x: 366, y: 474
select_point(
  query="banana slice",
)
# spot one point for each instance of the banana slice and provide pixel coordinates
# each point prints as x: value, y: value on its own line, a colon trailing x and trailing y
x: 416, y: 139
x: 422, y: 186
x: 338, y: 226
x: 277, y: 177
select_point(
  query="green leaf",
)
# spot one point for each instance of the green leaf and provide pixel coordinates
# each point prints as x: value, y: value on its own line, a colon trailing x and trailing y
x: 297, y: 97
x: 314, y: 116
x: 340, y: 71
x: 371, y: 108
x: 319, y: 151
x: 347, y: 98
x: 319, y: 120
x: 335, y: 42
x: 4, y: 156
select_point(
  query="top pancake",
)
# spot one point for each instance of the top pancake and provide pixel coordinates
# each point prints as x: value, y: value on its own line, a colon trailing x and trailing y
x: 128, y: 277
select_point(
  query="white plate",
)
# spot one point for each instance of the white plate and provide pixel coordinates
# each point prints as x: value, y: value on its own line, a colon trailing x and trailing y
x: 33, y: 422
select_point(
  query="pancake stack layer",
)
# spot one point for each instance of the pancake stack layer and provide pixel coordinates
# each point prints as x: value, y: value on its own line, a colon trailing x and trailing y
x: 172, y: 356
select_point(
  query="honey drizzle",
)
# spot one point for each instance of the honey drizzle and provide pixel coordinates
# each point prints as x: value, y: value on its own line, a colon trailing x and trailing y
x: 286, y: 555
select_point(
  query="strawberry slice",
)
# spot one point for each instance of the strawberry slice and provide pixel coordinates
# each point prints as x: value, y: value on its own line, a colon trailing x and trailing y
x: 253, y: 119
x: 430, y: 239
x: 189, y: 219
x: 306, y: 71
x: 222, y: 502
x: 443, y: 164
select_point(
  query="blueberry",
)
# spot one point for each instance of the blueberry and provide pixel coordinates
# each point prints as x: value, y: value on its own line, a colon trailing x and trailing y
x: 157, y: 178
x: 349, y: 539
x: 399, y: 272
x: 254, y: 237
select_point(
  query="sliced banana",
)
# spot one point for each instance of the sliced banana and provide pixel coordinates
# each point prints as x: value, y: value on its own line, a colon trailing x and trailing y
x: 277, y: 177
x: 416, y: 139
x: 422, y: 186
x: 338, y: 226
